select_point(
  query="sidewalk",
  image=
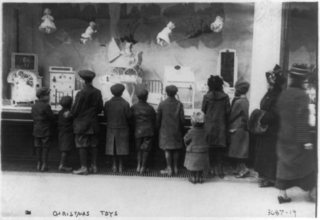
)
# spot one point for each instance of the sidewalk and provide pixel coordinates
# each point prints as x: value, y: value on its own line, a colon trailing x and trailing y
x: 48, y: 194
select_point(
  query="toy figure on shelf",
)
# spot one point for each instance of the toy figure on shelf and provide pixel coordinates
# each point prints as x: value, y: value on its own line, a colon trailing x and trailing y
x: 88, y: 34
x: 163, y: 37
x: 47, y: 26
x: 217, y: 25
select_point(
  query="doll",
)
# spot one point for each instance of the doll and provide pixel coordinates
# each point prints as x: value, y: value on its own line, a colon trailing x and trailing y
x: 47, y: 26
x: 88, y: 34
x: 217, y: 25
x: 163, y: 36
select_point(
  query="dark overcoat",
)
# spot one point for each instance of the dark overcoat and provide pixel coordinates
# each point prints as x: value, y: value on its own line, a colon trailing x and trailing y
x: 88, y: 104
x: 144, y: 117
x: 239, y: 135
x: 66, y: 135
x: 266, y: 158
x: 170, y: 122
x: 117, y: 114
x: 294, y: 161
x: 217, y: 109
x: 43, y: 119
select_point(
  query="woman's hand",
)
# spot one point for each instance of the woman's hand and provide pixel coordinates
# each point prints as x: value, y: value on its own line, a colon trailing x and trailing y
x: 308, y: 146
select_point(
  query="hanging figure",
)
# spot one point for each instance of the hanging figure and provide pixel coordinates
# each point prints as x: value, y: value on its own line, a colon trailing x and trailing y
x: 47, y: 26
x: 163, y: 37
x: 88, y: 34
x: 217, y: 25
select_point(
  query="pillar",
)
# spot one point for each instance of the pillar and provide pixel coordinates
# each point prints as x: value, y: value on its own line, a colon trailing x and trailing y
x: 265, y: 48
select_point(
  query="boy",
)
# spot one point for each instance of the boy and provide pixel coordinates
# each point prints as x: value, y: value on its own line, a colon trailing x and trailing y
x: 144, y: 117
x: 88, y: 104
x: 170, y: 122
x: 43, y: 119
x: 66, y: 136
x: 117, y: 114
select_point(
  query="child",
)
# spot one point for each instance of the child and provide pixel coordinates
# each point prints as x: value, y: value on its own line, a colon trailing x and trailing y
x: 216, y: 107
x: 144, y: 117
x: 66, y: 136
x: 197, y: 153
x: 170, y: 122
x: 117, y: 114
x: 88, y: 104
x: 239, y: 144
x: 43, y: 119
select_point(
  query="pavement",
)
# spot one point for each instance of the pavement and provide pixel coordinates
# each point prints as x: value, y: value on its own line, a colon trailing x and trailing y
x: 52, y: 195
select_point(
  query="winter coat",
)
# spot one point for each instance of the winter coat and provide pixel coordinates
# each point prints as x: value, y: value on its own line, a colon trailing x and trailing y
x: 170, y: 122
x: 239, y: 135
x: 43, y: 119
x: 196, y: 140
x: 294, y: 161
x: 216, y: 107
x: 66, y: 135
x: 266, y: 158
x: 117, y: 114
x: 88, y: 104
x: 144, y: 117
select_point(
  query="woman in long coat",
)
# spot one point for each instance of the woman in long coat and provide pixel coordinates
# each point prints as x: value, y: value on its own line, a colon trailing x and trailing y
x: 216, y: 107
x: 266, y: 158
x: 296, y: 162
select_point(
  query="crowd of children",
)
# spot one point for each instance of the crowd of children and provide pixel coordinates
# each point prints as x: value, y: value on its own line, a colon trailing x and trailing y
x: 79, y: 126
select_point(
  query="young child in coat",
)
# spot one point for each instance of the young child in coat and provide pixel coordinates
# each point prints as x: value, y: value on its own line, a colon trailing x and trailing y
x: 170, y: 122
x: 43, y: 127
x: 144, y: 117
x: 117, y: 114
x: 197, y: 152
x: 239, y: 135
x: 66, y: 136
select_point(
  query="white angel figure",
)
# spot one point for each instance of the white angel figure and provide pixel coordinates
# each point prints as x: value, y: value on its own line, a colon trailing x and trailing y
x: 89, y: 32
x: 47, y: 26
x: 163, y: 37
x: 217, y: 25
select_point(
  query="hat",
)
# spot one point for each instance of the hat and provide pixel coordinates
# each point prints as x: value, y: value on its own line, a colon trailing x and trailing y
x: 42, y: 92
x: 142, y: 94
x: 254, y: 124
x: 86, y: 75
x: 197, y: 117
x: 66, y: 101
x: 300, y: 69
x: 171, y: 90
x: 242, y: 86
x: 117, y: 89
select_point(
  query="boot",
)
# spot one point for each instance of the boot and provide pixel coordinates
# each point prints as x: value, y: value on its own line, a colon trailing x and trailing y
x: 64, y: 169
x: 93, y: 169
x: 81, y: 171
x: 45, y: 152
x: 200, y: 177
x: 39, y: 165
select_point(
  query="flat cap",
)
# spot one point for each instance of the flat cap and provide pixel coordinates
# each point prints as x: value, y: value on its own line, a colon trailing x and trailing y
x: 171, y: 90
x: 42, y: 92
x: 86, y: 75
x: 117, y: 89
x: 300, y: 69
x: 142, y: 93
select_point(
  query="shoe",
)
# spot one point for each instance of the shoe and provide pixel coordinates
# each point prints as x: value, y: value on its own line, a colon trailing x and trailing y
x: 176, y: 171
x: 142, y: 170
x: 65, y: 169
x: 138, y: 169
x: 81, y: 171
x: 121, y: 168
x: 200, y: 179
x: 283, y: 200
x: 39, y: 166
x: 93, y: 169
x: 265, y: 183
x: 244, y: 174
x: 45, y: 168
x: 166, y: 172
x: 192, y: 179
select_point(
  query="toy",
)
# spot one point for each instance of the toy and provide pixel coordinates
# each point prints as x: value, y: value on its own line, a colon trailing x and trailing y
x: 47, y: 26
x: 217, y: 25
x: 89, y: 32
x: 163, y: 37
